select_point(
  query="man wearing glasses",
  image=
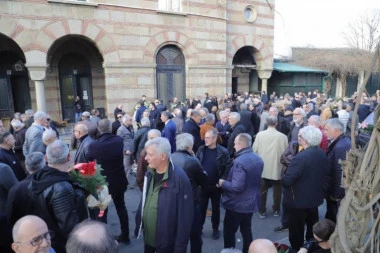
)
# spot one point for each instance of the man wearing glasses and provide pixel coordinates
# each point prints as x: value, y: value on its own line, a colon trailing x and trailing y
x: 30, y: 235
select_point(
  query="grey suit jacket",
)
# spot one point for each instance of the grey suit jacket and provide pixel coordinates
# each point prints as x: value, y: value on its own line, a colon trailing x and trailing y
x: 128, y: 136
x: 33, y: 140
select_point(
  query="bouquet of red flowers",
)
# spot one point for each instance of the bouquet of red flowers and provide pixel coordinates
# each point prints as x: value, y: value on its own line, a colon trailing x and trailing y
x: 94, y: 183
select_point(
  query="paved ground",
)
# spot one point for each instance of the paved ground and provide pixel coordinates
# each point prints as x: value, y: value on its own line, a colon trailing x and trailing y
x: 261, y: 228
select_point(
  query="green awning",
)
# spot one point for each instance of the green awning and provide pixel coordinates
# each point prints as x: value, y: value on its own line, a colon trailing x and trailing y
x: 286, y: 67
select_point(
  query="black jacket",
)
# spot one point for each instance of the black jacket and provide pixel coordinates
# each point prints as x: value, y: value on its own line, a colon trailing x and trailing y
x: 191, y: 127
x: 193, y: 170
x: 107, y: 150
x: 59, y: 201
x: 237, y: 129
x: 19, y: 203
x: 83, y: 149
x: 247, y: 121
x: 304, y: 178
x: 9, y: 158
x: 223, y: 160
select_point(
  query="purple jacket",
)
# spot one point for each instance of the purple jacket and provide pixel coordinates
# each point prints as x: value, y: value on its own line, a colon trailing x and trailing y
x: 241, y: 190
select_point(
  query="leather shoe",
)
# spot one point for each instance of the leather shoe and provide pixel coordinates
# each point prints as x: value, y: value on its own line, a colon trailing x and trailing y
x: 215, y: 234
x: 123, y: 239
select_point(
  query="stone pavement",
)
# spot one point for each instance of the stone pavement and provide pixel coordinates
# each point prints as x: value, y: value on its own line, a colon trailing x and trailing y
x: 261, y: 228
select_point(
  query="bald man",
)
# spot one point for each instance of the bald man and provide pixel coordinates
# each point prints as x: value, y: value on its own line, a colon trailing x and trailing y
x: 262, y: 246
x: 101, y: 239
x: 31, y: 235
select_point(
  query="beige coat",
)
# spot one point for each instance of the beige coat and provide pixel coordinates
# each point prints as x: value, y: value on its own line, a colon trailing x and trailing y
x: 269, y: 145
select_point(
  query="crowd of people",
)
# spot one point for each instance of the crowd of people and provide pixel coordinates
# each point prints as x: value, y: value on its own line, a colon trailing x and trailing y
x: 228, y: 151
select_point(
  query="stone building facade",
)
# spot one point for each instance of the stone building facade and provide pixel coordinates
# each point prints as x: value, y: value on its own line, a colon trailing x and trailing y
x: 111, y: 52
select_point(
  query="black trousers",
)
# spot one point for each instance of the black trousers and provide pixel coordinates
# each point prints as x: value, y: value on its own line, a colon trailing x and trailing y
x: 232, y: 221
x: 149, y: 249
x: 122, y: 213
x: 285, y: 219
x: 332, y: 209
x: 213, y: 193
x: 298, y: 218
x: 196, y: 232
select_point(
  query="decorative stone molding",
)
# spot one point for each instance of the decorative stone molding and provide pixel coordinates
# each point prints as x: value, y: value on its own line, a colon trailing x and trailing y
x: 37, y: 72
x: 265, y: 74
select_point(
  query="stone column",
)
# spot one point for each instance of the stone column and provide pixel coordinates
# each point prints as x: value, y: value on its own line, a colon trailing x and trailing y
x: 264, y: 76
x: 38, y: 75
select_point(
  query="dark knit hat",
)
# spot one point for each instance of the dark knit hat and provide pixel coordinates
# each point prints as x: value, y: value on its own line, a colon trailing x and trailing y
x: 289, y: 108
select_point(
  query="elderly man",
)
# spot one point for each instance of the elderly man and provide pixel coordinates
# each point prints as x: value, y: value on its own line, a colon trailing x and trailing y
x: 303, y: 180
x: 309, y: 110
x: 95, y: 116
x: 101, y: 239
x: 336, y: 151
x: 127, y: 133
x: 117, y: 123
x: 49, y: 136
x: 223, y: 127
x: 183, y: 158
x: 247, y: 119
x: 57, y: 198
x: 315, y: 121
x: 81, y: 134
x: 7, y: 156
x: 19, y: 202
x: 108, y: 151
x: 241, y: 192
x: 299, y: 121
x: 178, y: 120
x: 216, y: 161
x: 167, y: 202
x: 169, y: 130
x: 269, y: 145
x: 91, y: 126
x: 208, y: 125
x: 192, y: 127
x: 33, y: 137
x: 31, y: 234
x: 236, y: 129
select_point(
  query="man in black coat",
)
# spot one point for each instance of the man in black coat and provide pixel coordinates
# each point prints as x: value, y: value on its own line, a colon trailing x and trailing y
x: 303, y: 180
x: 81, y: 134
x: 19, y: 203
x: 107, y: 150
x: 283, y: 125
x: 185, y: 159
x: 236, y: 129
x: 7, y: 156
x: 246, y: 118
x: 192, y: 127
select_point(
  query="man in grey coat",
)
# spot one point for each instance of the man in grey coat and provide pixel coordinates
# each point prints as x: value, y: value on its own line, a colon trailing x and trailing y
x: 127, y: 133
x: 33, y: 137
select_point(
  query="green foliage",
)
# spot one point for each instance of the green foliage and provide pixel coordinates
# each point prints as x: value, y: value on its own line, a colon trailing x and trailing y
x: 88, y: 182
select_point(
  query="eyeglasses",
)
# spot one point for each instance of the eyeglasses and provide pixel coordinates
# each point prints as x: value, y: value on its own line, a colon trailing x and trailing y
x: 157, y: 102
x: 119, y: 117
x: 38, y: 240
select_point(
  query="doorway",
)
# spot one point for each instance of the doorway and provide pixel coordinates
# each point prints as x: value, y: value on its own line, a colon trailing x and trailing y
x: 75, y: 80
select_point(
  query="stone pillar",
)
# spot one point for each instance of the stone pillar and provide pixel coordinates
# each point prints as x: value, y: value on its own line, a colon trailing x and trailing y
x: 264, y: 76
x: 37, y: 74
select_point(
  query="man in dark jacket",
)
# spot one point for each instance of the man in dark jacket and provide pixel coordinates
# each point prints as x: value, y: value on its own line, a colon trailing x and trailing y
x: 141, y: 137
x: 57, y: 198
x: 336, y: 151
x: 169, y: 130
x: 246, y: 118
x: 7, y: 156
x: 19, y: 203
x: 167, y: 201
x: 81, y: 134
x: 216, y: 161
x: 241, y: 192
x: 283, y: 124
x: 192, y: 127
x: 303, y: 180
x: 236, y: 129
x: 78, y: 107
x: 107, y: 150
x: 184, y: 158
x: 117, y: 123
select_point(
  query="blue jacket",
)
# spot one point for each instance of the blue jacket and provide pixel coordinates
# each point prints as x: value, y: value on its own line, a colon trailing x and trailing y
x: 335, y: 152
x: 241, y: 190
x: 169, y: 133
x: 304, y: 178
x: 175, y: 211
